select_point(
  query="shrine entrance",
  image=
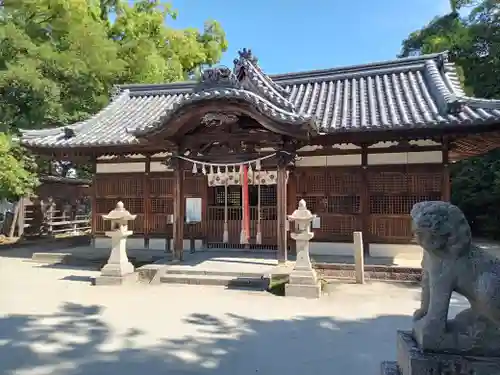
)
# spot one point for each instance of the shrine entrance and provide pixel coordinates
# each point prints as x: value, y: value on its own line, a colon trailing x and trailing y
x: 225, y: 212
x: 241, y: 131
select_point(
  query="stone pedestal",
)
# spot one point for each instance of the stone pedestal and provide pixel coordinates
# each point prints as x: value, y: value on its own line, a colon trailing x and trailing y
x: 303, y: 279
x: 118, y: 270
x: 412, y: 361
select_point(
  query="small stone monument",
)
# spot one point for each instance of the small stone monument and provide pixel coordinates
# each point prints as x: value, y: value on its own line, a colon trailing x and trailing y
x: 469, y: 344
x: 118, y: 270
x: 303, y: 279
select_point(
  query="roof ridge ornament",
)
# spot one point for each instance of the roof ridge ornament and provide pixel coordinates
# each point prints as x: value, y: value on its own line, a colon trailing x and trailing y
x: 219, y: 76
x: 246, y: 54
x: 247, y: 67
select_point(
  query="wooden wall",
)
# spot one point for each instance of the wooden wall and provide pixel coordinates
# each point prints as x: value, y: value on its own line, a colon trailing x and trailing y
x: 369, y: 189
x: 337, y: 194
x: 147, y: 196
x: 380, y: 207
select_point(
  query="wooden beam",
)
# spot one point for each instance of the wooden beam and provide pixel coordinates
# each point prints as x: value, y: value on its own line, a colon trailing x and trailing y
x: 328, y: 151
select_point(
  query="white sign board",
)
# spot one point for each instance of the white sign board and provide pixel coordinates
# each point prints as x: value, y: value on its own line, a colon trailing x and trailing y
x: 193, y: 210
x: 316, y: 223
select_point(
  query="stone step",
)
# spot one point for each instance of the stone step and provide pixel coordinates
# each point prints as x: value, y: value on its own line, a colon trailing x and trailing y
x: 220, y: 280
x: 181, y: 271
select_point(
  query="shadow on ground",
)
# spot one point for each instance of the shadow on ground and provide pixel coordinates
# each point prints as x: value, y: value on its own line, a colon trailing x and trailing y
x: 76, y: 341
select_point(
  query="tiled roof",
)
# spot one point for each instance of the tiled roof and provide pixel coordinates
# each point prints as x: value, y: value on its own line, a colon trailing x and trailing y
x: 65, y: 180
x: 416, y: 92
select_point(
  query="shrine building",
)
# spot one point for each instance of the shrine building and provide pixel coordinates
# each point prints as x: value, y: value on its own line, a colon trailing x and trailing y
x: 221, y: 162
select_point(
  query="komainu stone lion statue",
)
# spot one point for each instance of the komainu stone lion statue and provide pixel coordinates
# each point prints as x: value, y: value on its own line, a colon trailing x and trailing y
x: 451, y: 263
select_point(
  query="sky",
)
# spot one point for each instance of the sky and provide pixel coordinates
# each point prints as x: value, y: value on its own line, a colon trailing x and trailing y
x: 298, y: 35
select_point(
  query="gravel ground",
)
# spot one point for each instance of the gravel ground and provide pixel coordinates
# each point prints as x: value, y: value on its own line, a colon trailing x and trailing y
x: 52, y: 321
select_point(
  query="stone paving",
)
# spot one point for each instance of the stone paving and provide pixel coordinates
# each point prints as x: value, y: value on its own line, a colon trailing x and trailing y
x: 52, y: 321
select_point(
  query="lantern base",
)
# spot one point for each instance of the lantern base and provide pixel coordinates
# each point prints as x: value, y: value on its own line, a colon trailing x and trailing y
x: 303, y: 290
x: 130, y: 278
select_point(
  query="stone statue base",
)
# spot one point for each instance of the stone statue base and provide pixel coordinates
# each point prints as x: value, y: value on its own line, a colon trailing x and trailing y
x: 413, y: 361
x: 468, y: 334
x: 303, y: 283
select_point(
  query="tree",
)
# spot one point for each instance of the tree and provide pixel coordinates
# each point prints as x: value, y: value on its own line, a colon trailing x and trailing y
x: 473, y: 42
x: 155, y: 52
x: 56, y: 63
x: 59, y: 59
x: 17, y: 172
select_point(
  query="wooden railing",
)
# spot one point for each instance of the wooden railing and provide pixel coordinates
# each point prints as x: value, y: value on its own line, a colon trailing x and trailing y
x: 55, y: 223
x: 62, y: 225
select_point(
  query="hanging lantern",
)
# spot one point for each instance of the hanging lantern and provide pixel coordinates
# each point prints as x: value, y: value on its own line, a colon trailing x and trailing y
x: 249, y: 167
x: 257, y: 165
x: 203, y: 169
x: 211, y: 169
x: 195, y: 169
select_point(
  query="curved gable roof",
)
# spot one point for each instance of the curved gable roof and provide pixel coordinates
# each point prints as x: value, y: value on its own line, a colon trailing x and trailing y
x: 416, y: 92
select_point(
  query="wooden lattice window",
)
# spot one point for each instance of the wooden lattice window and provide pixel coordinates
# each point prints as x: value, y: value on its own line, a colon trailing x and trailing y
x: 161, y: 186
x: 388, y: 182
x: 119, y: 186
x: 134, y: 205
x: 423, y: 183
x: 194, y: 185
x: 397, y: 204
x: 392, y: 194
x: 311, y: 182
x: 233, y: 196
x: 268, y: 195
x: 162, y: 205
x: 104, y: 205
x: 342, y: 182
x: 350, y: 204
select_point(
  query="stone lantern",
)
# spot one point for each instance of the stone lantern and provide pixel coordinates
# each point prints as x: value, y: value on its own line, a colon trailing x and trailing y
x: 118, y: 269
x: 303, y: 279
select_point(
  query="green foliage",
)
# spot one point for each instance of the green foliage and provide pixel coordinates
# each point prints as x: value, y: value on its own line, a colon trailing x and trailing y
x: 59, y: 59
x: 474, y: 45
x: 476, y: 189
x: 17, y: 170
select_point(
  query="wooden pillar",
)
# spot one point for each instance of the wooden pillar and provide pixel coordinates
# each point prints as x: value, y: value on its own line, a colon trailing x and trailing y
x: 93, y: 202
x: 245, y: 207
x: 204, y: 214
x: 178, y: 225
x: 291, y: 201
x: 365, y: 201
x: 281, y: 208
x: 147, y: 201
x: 446, y: 183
